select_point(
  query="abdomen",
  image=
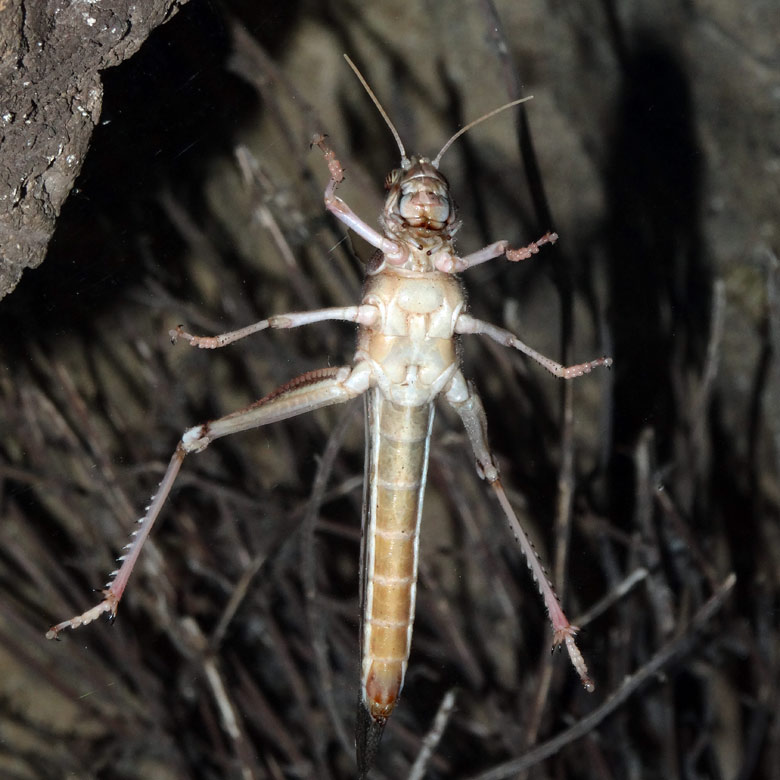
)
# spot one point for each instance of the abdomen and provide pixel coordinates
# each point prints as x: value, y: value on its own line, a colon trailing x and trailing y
x: 396, y: 466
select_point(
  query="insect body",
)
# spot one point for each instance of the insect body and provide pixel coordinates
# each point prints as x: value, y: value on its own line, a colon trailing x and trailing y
x: 412, y: 310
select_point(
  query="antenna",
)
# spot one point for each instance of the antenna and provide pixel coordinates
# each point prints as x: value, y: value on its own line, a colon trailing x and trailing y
x: 404, y: 158
x: 436, y: 160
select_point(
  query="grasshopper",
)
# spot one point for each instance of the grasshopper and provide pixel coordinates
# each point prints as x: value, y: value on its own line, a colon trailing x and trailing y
x: 411, y: 314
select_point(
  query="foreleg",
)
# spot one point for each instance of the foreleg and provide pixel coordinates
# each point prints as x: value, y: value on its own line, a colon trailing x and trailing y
x: 395, y: 253
x: 454, y: 265
x: 464, y: 399
x: 310, y: 391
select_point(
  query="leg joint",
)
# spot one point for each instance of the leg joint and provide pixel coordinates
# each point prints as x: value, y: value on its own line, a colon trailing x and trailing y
x: 196, y: 439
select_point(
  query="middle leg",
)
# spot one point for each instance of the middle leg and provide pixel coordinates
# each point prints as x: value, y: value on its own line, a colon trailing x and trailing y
x: 468, y: 324
x: 365, y: 314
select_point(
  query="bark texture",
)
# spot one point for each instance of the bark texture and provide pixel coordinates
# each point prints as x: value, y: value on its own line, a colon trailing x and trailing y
x: 51, y: 55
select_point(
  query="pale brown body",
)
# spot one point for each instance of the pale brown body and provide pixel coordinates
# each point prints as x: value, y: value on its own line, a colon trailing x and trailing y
x: 412, y: 310
x: 412, y: 354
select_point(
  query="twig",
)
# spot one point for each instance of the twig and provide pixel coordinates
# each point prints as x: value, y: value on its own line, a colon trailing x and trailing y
x: 675, y: 647
x: 615, y: 594
x: 714, y: 343
x: 229, y: 715
x: 432, y: 738
x: 650, y: 553
x: 515, y: 91
x: 773, y: 306
x: 309, y: 573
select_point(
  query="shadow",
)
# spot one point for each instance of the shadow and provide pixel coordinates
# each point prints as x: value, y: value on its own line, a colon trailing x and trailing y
x: 660, y: 282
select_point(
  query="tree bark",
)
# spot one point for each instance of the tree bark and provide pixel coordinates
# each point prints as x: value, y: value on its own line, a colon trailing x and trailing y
x: 51, y: 55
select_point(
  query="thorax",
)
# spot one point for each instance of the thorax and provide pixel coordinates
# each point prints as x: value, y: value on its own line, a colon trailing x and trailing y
x: 411, y: 349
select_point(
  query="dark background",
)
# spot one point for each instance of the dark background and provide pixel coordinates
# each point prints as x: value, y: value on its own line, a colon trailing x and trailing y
x: 651, y: 146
